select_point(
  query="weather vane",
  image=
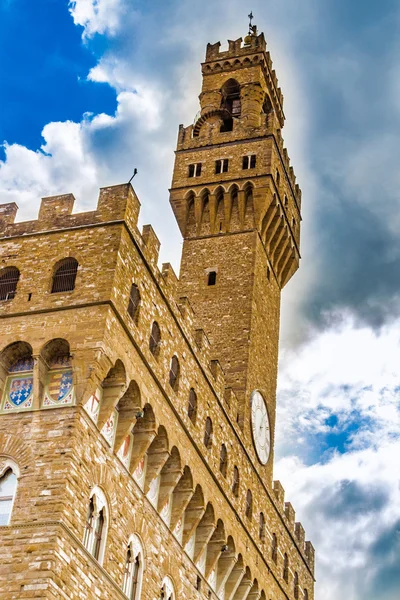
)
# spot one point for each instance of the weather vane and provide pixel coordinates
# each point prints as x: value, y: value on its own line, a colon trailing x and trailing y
x: 252, y: 28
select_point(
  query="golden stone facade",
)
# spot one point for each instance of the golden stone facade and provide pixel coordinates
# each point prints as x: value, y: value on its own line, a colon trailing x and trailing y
x: 128, y: 467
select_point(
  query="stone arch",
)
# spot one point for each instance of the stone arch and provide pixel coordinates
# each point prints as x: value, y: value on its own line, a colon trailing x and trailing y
x: 170, y: 474
x: 14, y: 448
x: 219, y: 212
x: 217, y: 67
x: 110, y: 391
x: 128, y: 407
x: 214, y: 550
x: 181, y: 497
x: 193, y: 513
x: 203, y: 533
x: 225, y: 564
x: 55, y: 374
x: 190, y: 220
x: 144, y: 432
x: 156, y: 457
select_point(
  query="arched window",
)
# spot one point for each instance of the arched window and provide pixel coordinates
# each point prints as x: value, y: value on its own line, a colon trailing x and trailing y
x: 249, y: 504
x: 223, y: 460
x: 277, y: 178
x: 305, y: 594
x: 208, y: 433
x: 192, y: 406
x: 296, y: 586
x: 167, y: 589
x: 286, y: 201
x: 274, y: 548
x: 8, y: 487
x: 134, y: 302
x: 235, y: 483
x: 64, y: 275
x: 174, y: 373
x: 134, y: 565
x: 285, y: 567
x: 261, y: 531
x: 8, y: 283
x: 155, y: 339
x: 231, y: 103
x: 96, y: 525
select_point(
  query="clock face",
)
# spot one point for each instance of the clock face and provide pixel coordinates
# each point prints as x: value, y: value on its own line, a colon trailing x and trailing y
x: 260, y: 427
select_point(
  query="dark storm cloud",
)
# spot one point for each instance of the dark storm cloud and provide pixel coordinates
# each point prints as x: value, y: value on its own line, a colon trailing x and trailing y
x: 348, y: 500
x: 384, y: 564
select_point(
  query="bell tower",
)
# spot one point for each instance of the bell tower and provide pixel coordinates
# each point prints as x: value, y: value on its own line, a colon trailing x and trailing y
x: 236, y: 200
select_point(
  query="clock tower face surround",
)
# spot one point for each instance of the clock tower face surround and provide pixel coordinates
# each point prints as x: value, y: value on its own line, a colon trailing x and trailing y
x: 260, y: 427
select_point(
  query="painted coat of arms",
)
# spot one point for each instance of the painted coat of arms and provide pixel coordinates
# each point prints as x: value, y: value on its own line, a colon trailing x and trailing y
x: 59, y: 388
x: 20, y: 393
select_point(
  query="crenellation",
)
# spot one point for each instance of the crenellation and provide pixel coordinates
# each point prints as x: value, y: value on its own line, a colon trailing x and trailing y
x: 186, y: 310
x: 219, y: 377
x: 279, y: 493
x: 8, y: 212
x: 151, y: 245
x: 53, y: 207
x: 290, y: 514
x: 300, y: 534
x: 170, y: 278
x: 310, y: 554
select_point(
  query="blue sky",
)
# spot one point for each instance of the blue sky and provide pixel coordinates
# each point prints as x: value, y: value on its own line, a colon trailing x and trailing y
x: 93, y: 88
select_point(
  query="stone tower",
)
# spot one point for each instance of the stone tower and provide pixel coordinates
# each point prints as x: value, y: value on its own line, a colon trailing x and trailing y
x: 237, y: 203
x: 137, y: 410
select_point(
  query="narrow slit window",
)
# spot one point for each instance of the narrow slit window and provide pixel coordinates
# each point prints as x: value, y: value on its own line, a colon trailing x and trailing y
x: 174, y: 373
x: 212, y: 278
x: 192, y: 406
x: 134, y: 302
x: 155, y: 339
x: 235, y: 483
x: 208, y: 433
x: 198, y: 169
x: 253, y: 161
x: 223, y: 460
x: 191, y: 170
x: 249, y: 504
x: 245, y: 162
x: 261, y: 532
x: 218, y: 166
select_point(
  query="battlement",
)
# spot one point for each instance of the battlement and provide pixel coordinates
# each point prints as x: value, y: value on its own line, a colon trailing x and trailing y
x: 295, y: 527
x: 115, y: 203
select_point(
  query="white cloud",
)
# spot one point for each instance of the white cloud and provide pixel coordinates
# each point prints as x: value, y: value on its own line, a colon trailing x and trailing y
x: 346, y: 498
x: 98, y: 16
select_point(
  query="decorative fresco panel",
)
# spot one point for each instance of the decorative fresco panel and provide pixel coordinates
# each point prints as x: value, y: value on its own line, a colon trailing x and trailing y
x: 140, y: 472
x: 92, y: 406
x: 110, y: 427
x: 124, y: 453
